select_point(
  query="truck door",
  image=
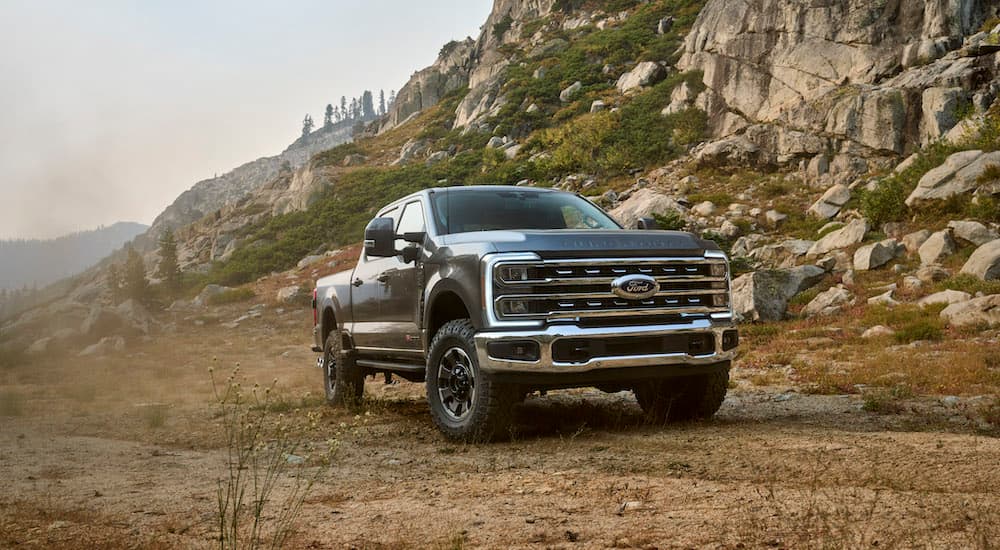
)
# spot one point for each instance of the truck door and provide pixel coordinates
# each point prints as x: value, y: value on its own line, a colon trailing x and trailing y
x: 402, y: 288
x: 366, y: 294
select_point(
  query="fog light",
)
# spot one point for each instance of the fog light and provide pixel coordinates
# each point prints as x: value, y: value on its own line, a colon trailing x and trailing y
x: 514, y: 351
x: 516, y: 307
x: 718, y: 270
x: 720, y: 300
x: 514, y: 274
x: 730, y: 340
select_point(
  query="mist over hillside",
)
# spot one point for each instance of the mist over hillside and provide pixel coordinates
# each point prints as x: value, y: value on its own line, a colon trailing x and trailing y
x: 31, y: 262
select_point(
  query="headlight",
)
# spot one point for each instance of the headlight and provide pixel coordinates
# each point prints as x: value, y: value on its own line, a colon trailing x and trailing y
x: 513, y: 274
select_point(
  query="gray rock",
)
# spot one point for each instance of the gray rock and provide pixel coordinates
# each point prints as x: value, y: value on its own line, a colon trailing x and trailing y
x: 210, y: 290
x: 932, y: 274
x: 945, y: 297
x: 775, y: 218
x: 914, y: 241
x: 849, y: 235
x: 937, y: 248
x: 437, y: 157
x: 734, y: 151
x: 309, y: 260
x: 410, y: 150
x: 136, y: 316
x: 571, y: 92
x: 983, y: 311
x: 984, y: 262
x: 704, y: 209
x: 912, y: 283
x: 958, y: 174
x: 973, y: 232
x: 644, y: 74
x: 290, y: 294
x: 878, y: 331
x: 729, y: 230
x: 940, y: 107
x: 884, y: 299
x: 107, y: 345
x: 744, y: 245
x: 495, y: 142
x: 874, y: 256
x: 598, y: 106
x: 784, y: 254
x: 764, y: 295
x: 831, y: 202
x: 828, y: 303
x: 665, y: 25
x: 644, y: 203
x: 533, y: 108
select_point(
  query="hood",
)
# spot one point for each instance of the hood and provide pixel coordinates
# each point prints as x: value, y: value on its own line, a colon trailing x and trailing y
x: 589, y: 244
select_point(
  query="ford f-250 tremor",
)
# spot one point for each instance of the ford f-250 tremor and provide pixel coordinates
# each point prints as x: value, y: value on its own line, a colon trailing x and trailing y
x: 490, y: 293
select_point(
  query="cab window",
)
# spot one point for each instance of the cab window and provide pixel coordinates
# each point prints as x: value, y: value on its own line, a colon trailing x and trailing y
x: 410, y: 221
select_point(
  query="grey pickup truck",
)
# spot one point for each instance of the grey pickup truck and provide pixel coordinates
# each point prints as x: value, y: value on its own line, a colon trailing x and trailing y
x: 489, y: 293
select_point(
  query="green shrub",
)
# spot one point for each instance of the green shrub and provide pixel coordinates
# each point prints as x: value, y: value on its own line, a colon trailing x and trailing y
x: 921, y: 329
x: 671, y: 220
x: 886, y: 203
x: 231, y: 296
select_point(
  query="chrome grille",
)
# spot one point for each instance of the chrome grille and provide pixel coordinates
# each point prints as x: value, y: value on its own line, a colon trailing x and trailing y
x: 554, y: 289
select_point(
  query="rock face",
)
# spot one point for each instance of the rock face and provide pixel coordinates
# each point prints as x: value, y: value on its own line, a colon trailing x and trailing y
x: 979, y: 311
x: 764, y: 295
x: 807, y: 78
x: 984, y: 262
x: 959, y: 174
x: 426, y: 87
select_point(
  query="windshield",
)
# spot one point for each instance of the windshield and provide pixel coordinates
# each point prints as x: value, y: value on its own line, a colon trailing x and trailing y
x: 469, y: 210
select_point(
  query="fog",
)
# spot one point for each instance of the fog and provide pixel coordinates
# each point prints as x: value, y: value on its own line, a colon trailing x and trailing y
x: 110, y: 109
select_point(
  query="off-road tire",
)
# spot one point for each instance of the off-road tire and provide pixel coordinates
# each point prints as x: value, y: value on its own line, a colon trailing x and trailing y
x: 343, y: 380
x: 489, y: 416
x: 686, y: 398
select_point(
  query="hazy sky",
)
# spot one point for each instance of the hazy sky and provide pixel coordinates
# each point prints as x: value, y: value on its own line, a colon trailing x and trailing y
x: 110, y: 109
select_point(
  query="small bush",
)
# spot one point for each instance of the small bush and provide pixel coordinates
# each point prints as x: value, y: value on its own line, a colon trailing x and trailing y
x: 971, y: 284
x: 231, y: 296
x: 922, y: 329
x: 883, y: 402
x: 886, y: 203
x: 671, y: 220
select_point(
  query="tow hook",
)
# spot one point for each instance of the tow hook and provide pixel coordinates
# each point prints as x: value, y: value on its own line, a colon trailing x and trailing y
x: 320, y: 363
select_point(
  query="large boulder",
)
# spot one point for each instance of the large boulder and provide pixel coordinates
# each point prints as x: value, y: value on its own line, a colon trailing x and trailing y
x: 940, y: 112
x: 973, y: 232
x: 291, y: 294
x: 570, y: 93
x: 937, y: 248
x: 102, y: 321
x: 644, y: 74
x: 945, y: 297
x: 203, y: 297
x: 734, y: 151
x: 831, y: 202
x: 644, y: 203
x: 913, y: 241
x: 874, y: 256
x: 830, y: 302
x: 764, y: 295
x: 136, y: 316
x: 958, y: 174
x: 983, y: 311
x: 847, y: 236
x: 985, y: 262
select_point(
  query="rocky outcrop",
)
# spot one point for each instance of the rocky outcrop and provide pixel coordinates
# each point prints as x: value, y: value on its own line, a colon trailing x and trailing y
x: 865, y: 79
x: 983, y: 311
x: 426, y: 87
x: 959, y: 174
x: 764, y: 295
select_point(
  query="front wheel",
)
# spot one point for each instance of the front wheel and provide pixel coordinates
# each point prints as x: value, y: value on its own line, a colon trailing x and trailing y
x: 685, y: 398
x: 466, y: 404
x: 343, y: 380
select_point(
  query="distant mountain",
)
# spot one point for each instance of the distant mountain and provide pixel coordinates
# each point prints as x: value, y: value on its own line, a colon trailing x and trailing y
x: 41, y: 262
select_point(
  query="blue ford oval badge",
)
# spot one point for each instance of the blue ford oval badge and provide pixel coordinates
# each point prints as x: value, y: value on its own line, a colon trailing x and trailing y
x: 635, y: 287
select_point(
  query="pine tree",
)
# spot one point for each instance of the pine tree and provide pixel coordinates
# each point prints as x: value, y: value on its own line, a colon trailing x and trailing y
x: 354, y: 108
x: 328, y: 117
x: 392, y: 98
x: 114, y: 283
x: 367, y: 105
x: 381, y: 103
x: 135, y: 284
x: 343, y: 108
x: 307, y: 125
x: 169, y: 271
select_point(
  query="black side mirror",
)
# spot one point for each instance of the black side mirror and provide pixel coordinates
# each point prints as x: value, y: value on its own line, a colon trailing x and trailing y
x: 647, y: 224
x: 380, y: 238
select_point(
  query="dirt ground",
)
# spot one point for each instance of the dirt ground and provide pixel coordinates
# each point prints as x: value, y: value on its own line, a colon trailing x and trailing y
x: 127, y: 451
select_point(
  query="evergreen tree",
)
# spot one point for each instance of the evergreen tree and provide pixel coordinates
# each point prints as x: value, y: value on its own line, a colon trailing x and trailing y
x: 392, y: 98
x: 381, y: 103
x: 328, y: 117
x: 169, y: 271
x: 307, y: 125
x: 343, y: 108
x: 135, y: 284
x: 114, y: 283
x: 354, y: 108
x: 367, y: 105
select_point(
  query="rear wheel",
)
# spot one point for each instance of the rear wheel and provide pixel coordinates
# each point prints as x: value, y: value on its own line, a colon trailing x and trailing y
x: 343, y: 380
x: 686, y: 398
x: 466, y: 404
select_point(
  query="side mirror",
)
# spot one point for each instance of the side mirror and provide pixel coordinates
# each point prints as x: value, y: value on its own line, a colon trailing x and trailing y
x: 646, y: 224
x: 380, y: 237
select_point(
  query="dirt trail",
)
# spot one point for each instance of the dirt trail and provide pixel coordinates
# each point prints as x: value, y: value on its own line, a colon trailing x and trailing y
x: 776, y: 468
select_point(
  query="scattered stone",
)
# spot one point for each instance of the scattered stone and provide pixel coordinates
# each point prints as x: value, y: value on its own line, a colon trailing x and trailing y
x: 984, y: 262
x: 598, y: 106
x: 912, y: 283
x: 665, y: 25
x: 437, y: 157
x: 850, y: 235
x: 704, y: 209
x: 975, y: 312
x: 884, y: 299
x: 874, y: 256
x: 848, y: 278
x: 106, y: 345
x: 569, y: 93
x: 410, y: 150
x: 533, y: 108
x: 495, y: 142
x: 914, y: 241
x: 945, y: 297
x: 644, y: 203
x: 644, y: 74
x: 290, y: 294
x: 729, y: 230
x: 936, y: 248
x: 764, y: 295
x: 973, y: 232
x: 210, y: 290
x: 878, y: 331
x: 775, y: 218
x: 828, y: 303
x: 309, y: 260
x: 932, y: 274
x: 831, y: 202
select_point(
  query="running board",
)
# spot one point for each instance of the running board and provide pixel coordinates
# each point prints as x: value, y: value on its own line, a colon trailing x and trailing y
x: 386, y: 365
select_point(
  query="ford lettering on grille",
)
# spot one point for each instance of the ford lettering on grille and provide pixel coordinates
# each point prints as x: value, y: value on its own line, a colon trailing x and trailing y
x: 635, y: 287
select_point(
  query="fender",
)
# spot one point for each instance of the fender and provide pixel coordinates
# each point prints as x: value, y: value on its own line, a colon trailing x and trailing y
x: 437, y: 286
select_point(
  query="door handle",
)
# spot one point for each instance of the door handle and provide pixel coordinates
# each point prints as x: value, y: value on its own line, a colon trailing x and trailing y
x: 357, y: 283
x: 383, y: 278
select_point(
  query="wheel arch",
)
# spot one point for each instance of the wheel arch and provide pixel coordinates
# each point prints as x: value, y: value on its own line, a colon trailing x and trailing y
x: 447, y: 302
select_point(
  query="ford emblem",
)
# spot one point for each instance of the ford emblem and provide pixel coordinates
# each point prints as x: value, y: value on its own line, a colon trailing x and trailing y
x: 635, y: 287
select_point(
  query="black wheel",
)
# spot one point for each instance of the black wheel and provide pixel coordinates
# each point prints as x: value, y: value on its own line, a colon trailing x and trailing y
x: 466, y: 404
x: 686, y: 398
x: 343, y: 380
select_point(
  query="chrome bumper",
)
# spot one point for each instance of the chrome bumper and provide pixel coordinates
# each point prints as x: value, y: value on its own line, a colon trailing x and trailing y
x: 546, y: 337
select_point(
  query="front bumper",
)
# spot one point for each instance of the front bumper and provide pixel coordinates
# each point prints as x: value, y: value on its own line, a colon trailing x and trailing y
x: 548, y: 336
